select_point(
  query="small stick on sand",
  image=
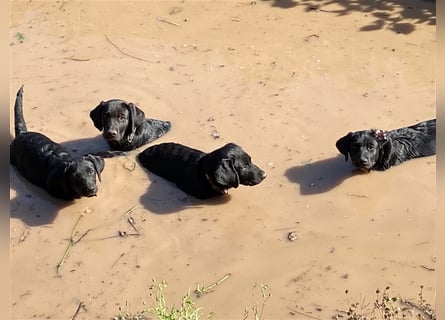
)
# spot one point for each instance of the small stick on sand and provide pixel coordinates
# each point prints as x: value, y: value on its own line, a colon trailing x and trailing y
x: 24, y: 235
x: 356, y: 195
x: 80, y: 306
x: 200, y: 291
x: 284, y: 229
x: 126, y: 54
x: 310, y: 36
x: 82, y: 236
x: 168, y: 21
x: 428, y: 268
x: 77, y: 59
x: 129, y: 211
x: 124, y: 234
x: 70, y: 245
x: 131, y: 222
x: 303, y: 314
x: 118, y: 258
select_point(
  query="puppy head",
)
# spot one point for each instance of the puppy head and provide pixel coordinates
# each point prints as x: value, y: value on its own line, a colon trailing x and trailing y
x: 364, y: 147
x: 234, y: 167
x: 81, y: 174
x: 117, y: 119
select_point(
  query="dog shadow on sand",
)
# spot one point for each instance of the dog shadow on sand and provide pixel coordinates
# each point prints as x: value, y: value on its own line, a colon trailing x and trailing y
x: 84, y: 146
x: 163, y: 197
x: 321, y: 176
x: 316, y: 177
x: 32, y: 204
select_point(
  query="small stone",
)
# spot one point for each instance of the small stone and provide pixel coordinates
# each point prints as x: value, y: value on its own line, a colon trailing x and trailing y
x: 215, y: 134
x: 292, y: 236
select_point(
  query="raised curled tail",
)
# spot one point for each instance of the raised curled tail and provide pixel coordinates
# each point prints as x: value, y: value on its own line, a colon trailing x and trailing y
x: 20, y: 125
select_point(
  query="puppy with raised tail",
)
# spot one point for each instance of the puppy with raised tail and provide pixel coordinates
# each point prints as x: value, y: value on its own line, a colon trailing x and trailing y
x: 202, y: 175
x: 48, y: 165
x: 379, y: 150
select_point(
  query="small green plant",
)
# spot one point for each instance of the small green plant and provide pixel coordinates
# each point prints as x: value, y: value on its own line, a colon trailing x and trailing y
x: 186, y: 311
x: 20, y: 37
x: 161, y: 311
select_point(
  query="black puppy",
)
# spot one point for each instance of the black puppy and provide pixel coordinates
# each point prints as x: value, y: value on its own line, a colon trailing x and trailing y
x: 200, y: 174
x: 379, y: 150
x: 124, y: 125
x: 48, y: 165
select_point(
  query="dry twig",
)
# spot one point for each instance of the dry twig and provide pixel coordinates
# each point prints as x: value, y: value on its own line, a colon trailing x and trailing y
x: 356, y: 195
x: 82, y: 236
x: 310, y: 36
x: 77, y: 59
x: 303, y: 314
x: 200, y: 291
x: 168, y: 21
x: 428, y: 268
x: 126, y: 54
x: 70, y: 245
x: 80, y: 306
x: 118, y: 258
x: 131, y: 222
x: 129, y: 211
x: 24, y: 235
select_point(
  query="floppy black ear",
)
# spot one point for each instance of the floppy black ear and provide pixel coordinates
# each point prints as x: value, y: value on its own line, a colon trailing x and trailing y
x: 96, y: 116
x: 98, y: 164
x: 137, y: 116
x: 226, y: 175
x: 343, y: 145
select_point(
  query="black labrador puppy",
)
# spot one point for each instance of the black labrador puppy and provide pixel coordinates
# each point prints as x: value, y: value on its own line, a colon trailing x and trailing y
x: 48, y: 165
x: 379, y: 150
x: 124, y: 125
x: 202, y: 175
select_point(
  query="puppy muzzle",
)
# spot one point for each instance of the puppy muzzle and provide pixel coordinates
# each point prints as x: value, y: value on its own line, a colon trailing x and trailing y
x: 91, y: 192
x: 112, y: 135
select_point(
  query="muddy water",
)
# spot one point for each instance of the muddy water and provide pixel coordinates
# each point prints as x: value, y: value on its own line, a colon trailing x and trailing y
x: 284, y: 83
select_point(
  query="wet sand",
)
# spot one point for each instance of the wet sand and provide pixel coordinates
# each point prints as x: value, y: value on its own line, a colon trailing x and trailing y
x: 284, y: 81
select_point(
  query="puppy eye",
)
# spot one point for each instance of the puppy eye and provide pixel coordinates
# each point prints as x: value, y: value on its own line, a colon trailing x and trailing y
x: 90, y: 172
x: 370, y: 147
x: 122, y: 117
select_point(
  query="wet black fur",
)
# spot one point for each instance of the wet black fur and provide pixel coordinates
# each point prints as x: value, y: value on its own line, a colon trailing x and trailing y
x: 124, y: 125
x: 48, y: 165
x: 380, y: 150
x: 202, y: 175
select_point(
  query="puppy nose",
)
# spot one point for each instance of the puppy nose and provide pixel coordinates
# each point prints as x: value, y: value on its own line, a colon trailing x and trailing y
x: 92, y: 190
x: 363, y: 161
x: 263, y: 175
x: 111, y: 133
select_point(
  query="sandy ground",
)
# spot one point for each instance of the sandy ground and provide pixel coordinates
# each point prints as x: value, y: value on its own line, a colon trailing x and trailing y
x: 284, y: 80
